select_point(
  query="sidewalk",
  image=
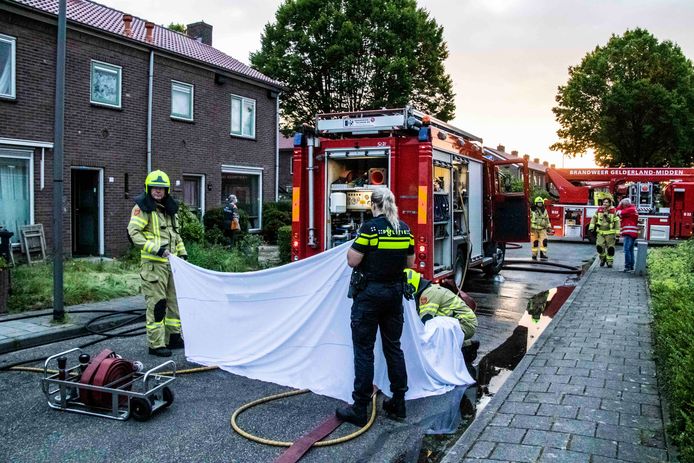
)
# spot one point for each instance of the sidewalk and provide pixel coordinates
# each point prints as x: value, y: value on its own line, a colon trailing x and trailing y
x: 585, y: 392
x: 29, y: 332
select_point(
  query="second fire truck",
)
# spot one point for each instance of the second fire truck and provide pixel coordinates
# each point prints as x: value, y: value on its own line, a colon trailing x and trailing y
x: 452, y: 198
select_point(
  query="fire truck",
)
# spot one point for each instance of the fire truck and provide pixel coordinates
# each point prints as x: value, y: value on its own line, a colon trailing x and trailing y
x: 664, y: 198
x: 454, y: 200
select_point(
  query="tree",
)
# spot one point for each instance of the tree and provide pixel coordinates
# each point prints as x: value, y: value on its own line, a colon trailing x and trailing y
x: 347, y: 55
x: 178, y: 27
x: 631, y: 101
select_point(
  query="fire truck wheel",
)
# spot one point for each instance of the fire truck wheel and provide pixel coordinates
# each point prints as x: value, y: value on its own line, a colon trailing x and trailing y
x: 498, y: 255
x: 140, y: 409
x: 460, y: 271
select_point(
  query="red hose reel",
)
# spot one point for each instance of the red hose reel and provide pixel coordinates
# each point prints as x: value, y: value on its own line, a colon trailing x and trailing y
x: 106, y: 370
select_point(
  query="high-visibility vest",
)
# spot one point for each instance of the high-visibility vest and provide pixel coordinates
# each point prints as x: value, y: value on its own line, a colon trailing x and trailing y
x: 152, y: 231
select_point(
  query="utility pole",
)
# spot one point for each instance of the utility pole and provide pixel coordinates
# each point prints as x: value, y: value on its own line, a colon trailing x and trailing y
x: 58, y: 309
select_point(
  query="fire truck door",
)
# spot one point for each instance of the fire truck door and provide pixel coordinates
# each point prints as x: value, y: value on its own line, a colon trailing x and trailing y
x: 511, y: 212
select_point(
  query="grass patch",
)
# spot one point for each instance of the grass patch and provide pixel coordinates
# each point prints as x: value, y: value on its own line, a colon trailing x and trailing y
x: 671, y: 280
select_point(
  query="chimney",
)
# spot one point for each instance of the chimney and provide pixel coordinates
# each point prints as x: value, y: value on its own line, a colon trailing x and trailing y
x: 553, y: 166
x: 501, y: 148
x: 149, y: 26
x: 127, y: 25
x: 514, y: 153
x: 200, y: 31
x: 525, y: 156
x: 536, y: 160
x: 545, y: 163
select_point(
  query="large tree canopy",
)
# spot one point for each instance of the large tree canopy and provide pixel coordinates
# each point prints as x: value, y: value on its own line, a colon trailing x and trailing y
x: 631, y: 101
x: 347, y: 55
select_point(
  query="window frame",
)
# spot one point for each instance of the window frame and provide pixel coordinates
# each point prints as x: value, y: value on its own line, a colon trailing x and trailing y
x: 13, y: 79
x: 191, y: 105
x: 93, y: 64
x: 24, y: 153
x: 248, y: 170
x: 242, y: 100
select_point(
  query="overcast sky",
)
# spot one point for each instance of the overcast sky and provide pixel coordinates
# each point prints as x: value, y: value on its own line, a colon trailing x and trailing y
x: 507, y: 57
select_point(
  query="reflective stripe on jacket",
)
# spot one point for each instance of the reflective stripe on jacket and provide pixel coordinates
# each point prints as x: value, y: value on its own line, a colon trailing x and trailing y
x: 436, y: 300
x: 605, y: 222
x: 539, y: 220
x: 153, y: 232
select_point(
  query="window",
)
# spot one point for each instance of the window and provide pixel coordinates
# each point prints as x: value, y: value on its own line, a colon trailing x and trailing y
x: 105, y: 84
x: 7, y: 66
x: 242, y: 116
x: 15, y: 189
x: 181, y: 100
x: 247, y: 184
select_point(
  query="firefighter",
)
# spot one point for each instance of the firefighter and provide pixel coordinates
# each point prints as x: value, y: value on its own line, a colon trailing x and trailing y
x: 605, y: 223
x: 383, y: 248
x: 154, y: 229
x: 539, y: 228
x: 434, y: 300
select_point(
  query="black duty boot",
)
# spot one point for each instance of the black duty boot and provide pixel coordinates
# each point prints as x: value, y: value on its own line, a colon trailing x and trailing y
x: 470, y: 351
x: 602, y: 263
x: 395, y: 407
x: 534, y: 257
x: 160, y: 351
x: 175, y: 341
x: 355, y: 414
x: 543, y: 256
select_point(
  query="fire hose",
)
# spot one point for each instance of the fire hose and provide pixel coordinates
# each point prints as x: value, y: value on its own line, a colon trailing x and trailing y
x: 536, y: 266
x: 105, y: 370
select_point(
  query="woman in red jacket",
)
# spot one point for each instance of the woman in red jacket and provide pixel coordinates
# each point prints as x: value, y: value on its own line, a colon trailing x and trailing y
x: 630, y: 229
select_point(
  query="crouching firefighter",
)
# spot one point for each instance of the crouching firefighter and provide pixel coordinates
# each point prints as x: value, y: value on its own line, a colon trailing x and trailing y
x: 606, y: 223
x: 154, y: 229
x: 434, y: 300
x: 539, y: 227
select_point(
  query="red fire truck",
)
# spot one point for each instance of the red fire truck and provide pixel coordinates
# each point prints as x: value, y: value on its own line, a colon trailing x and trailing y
x: 664, y: 198
x: 452, y: 198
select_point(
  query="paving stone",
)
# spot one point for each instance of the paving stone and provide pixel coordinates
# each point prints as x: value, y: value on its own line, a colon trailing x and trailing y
x: 519, y: 408
x: 500, y: 434
x: 585, y: 381
x: 650, y: 410
x: 561, y: 411
x: 625, y: 386
x: 534, y: 387
x: 640, y: 421
x: 618, y: 433
x: 543, y: 397
x: 516, y: 452
x: 602, y: 393
x: 561, y: 363
x: 517, y: 396
x: 561, y: 379
x: 573, y: 371
x: 481, y: 449
x: 563, y: 456
x: 531, y: 422
x: 557, y: 440
x: 584, y: 428
x: 581, y: 401
x: 641, y: 398
x: 576, y: 389
x: 640, y: 453
x: 593, y: 446
x: 599, y: 416
x: 620, y: 406
x: 501, y: 419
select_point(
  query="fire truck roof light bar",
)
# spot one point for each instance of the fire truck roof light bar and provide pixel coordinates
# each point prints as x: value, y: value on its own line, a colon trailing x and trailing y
x: 373, y: 121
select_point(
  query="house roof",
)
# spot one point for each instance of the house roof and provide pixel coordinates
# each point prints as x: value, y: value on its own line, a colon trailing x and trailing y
x: 285, y: 143
x: 503, y: 154
x: 109, y: 20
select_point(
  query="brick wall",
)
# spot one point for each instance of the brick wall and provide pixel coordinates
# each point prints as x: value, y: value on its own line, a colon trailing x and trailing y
x: 115, y: 139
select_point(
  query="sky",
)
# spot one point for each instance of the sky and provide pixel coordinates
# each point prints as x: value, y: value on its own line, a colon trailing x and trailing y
x: 507, y: 57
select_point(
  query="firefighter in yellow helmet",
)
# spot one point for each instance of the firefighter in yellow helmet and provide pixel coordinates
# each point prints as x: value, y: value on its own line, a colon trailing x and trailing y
x: 154, y: 229
x: 434, y: 300
x: 539, y: 227
x: 606, y: 223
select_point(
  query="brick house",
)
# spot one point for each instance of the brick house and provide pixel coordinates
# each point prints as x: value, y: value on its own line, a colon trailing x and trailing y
x: 213, y: 121
x: 536, y: 169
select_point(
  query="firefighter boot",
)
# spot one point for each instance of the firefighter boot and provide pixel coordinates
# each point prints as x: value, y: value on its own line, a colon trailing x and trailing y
x: 395, y: 407
x: 470, y: 351
x: 175, y: 341
x: 534, y: 257
x: 355, y: 414
x: 160, y: 351
x: 543, y: 256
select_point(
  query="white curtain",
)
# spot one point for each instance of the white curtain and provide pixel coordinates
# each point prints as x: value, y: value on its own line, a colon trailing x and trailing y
x: 14, y: 193
x: 290, y: 325
x: 6, y: 70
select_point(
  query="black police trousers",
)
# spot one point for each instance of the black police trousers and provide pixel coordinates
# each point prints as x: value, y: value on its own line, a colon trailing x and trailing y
x: 379, y: 305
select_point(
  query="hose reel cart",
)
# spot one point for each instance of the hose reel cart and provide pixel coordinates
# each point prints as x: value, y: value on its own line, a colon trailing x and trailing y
x: 107, y: 385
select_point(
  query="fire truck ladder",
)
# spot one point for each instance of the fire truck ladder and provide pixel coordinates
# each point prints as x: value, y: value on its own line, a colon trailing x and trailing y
x: 383, y: 120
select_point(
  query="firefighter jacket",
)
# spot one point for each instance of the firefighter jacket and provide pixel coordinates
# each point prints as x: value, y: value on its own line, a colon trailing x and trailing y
x: 539, y: 220
x: 629, y: 218
x: 605, y: 222
x: 435, y: 300
x: 154, y: 229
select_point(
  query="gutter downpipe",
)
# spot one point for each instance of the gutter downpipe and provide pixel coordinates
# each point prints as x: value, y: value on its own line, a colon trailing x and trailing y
x: 311, y: 225
x: 150, y: 90
x: 277, y: 148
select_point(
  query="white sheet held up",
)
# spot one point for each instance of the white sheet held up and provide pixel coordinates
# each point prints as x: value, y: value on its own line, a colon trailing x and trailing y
x: 290, y: 325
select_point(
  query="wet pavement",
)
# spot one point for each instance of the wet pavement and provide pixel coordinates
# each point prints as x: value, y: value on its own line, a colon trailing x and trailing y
x: 196, y: 427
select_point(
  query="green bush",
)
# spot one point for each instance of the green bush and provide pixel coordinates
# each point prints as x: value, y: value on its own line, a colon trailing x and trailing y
x: 221, y: 259
x: 273, y: 220
x: 214, y: 220
x: 190, y: 228
x: 284, y: 240
x: 671, y: 279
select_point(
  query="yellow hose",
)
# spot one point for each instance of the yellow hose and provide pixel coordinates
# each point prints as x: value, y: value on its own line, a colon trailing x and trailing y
x: 323, y: 443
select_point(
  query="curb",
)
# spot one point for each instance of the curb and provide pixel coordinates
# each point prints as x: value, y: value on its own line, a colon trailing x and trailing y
x: 457, y: 451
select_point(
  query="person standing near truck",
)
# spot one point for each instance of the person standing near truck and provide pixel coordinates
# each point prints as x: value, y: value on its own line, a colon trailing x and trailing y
x: 539, y: 228
x: 606, y: 223
x: 629, y: 218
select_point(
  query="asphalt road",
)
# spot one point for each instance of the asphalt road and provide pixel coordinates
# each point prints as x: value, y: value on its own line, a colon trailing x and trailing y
x: 196, y: 427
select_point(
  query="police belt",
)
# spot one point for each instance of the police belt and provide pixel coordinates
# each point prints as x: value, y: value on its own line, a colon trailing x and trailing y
x: 383, y: 280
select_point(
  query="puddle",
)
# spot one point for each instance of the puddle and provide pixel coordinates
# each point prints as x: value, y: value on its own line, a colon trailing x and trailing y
x: 494, y: 369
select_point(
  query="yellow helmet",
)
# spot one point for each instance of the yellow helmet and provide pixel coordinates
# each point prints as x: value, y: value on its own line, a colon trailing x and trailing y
x: 413, y: 278
x: 158, y: 179
x: 539, y: 200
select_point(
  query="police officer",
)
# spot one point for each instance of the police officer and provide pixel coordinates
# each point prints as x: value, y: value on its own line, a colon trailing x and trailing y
x: 380, y: 253
x: 154, y: 229
x: 606, y: 223
x: 539, y: 227
x: 434, y: 300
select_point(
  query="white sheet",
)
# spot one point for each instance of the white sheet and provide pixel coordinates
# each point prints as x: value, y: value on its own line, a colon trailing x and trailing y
x: 290, y: 325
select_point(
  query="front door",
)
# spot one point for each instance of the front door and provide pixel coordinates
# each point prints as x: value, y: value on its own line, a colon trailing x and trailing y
x: 85, y: 213
x: 191, y: 193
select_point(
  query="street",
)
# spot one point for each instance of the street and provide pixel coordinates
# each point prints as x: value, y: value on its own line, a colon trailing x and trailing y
x: 196, y: 427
